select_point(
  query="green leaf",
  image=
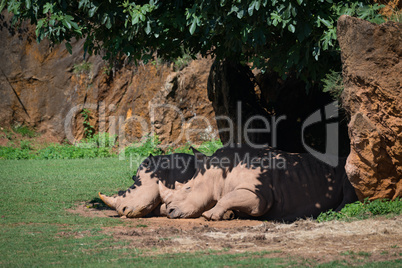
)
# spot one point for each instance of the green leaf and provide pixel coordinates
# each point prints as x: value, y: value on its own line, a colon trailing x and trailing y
x: 193, y: 27
x: 233, y: 9
x: 148, y: 28
x: 69, y: 48
x: 251, y: 8
x: 326, y: 22
x: 108, y: 23
x: 316, y: 53
x: 291, y: 28
x: 136, y: 19
x: 92, y: 11
x: 66, y: 23
x: 300, y: 2
x: 39, y: 29
x: 240, y: 14
x: 74, y: 25
x: 294, y: 12
x: 2, y: 5
x: 82, y: 3
x: 257, y: 5
x: 48, y: 8
x: 104, y: 19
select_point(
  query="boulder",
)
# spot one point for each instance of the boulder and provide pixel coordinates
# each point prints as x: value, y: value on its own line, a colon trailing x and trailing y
x: 372, y: 74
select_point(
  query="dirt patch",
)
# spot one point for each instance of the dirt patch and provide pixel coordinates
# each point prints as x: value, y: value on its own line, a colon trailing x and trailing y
x: 362, y: 241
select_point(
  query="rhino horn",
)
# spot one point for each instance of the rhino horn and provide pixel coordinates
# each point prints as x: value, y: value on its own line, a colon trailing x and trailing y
x: 109, y: 201
x: 178, y: 185
x: 164, y: 192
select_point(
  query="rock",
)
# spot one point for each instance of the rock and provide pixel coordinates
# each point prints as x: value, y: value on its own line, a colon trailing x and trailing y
x: 179, y: 113
x: 372, y: 74
x: 47, y: 88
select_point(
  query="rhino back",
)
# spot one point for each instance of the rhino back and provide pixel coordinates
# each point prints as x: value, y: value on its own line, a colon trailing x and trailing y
x: 181, y: 169
x: 305, y: 188
x: 297, y: 185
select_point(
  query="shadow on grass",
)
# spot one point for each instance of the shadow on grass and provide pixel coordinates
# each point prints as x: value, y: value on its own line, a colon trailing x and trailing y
x: 98, y: 204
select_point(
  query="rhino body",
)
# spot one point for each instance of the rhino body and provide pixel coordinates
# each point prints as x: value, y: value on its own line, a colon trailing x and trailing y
x: 143, y: 196
x: 263, y: 183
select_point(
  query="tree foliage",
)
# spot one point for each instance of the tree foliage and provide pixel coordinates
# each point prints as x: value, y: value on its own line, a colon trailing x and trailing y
x: 295, y: 35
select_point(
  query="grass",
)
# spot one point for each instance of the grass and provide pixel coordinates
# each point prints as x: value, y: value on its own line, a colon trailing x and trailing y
x: 36, y: 229
x: 345, y: 263
x: 101, y: 145
x: 359, y: 210
x: 53, y: 151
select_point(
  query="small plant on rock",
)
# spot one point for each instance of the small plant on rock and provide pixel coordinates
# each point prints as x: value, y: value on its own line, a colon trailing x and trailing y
x: 88, y: 128
x: 24, y: 131
x: 83, y: 67
x: 333, y: 84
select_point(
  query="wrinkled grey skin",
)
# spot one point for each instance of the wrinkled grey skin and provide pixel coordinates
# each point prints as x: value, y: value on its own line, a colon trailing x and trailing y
x: 143, y: 196
x: 304, y: 188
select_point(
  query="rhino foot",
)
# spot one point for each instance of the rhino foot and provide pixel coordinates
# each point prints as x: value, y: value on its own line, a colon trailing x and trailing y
x: 229, y: 215
x: 214, y: 214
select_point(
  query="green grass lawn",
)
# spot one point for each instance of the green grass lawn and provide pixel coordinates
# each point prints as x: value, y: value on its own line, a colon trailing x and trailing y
x: 35, y: 195
x: 36, y: 229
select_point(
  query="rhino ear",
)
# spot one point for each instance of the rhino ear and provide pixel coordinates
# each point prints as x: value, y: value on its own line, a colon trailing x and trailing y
x: 164, y: 192
x: 178, y: 185
x: 198, y: 155
x: 195, y: 151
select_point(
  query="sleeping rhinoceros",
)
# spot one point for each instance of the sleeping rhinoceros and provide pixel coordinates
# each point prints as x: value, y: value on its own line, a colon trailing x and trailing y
x: 143, y: 196
x: 263, y: 183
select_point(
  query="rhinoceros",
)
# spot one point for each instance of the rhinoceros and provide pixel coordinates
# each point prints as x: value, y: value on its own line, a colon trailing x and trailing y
x: 264, y: 183
x: 143, y: 197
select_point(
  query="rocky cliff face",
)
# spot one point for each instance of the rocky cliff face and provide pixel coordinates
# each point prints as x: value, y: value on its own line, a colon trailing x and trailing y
x: 47, y: 88
x: 372, y: 73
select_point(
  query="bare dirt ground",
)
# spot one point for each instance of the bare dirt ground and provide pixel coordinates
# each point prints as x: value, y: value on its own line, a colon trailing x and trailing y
x: 356, y: 242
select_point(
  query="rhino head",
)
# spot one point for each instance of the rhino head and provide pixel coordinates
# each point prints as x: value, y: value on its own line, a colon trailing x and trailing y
x: 187, y: 200
x: 143, y: 196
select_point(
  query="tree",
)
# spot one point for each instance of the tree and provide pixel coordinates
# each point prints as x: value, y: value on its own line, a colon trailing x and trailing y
x: 295, y: 38
x: 295, y: 35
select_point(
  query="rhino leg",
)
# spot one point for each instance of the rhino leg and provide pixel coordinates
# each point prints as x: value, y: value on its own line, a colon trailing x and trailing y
x: 242, y: 200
